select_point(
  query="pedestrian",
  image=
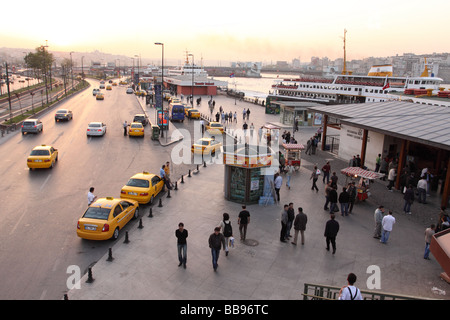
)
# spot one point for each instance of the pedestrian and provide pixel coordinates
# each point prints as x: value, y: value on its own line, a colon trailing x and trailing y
x: 226, y: 118
x: 326, y: 171
x: 300, y: 226
x: 308, y: 146
x: 344, y: 199
x: 334, y: 178
x: 333, y: 198
x: 291, y: 217
x: 244, y: 127
x: 289, y: 171
x: 235, y: 116
x: 350, y: 292
x: 244, y: 114
x: 429, y: 232
x: 252, y: 128
x: 181, y: 235
x: 391, y: 179
x: 378, y: 162
x: 409, y: 199
x: 125, y: 128
x: 352, y: 196
x: 216, y: 241
x: 383, y: 168
x: 284, y: 221
x: 90, y: 196
x: 227, y: 230
x: 331, y: 231
x: 248, y: 113
x: 217, y: 116
x: 243, y: 221
x: 167, y: 172
x: 319, y: 134
x: 278, y: 182
x: 327, y: 196
x: 314, y: 144
x: 314, y: 177
x: 422, y: 190
x: 378, y: 217
x: 386, y: 227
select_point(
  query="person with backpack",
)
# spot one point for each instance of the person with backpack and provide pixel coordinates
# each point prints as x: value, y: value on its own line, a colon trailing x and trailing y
x: 227, y: 230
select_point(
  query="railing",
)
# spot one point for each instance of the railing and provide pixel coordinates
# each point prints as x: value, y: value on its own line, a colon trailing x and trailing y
x: 322, y: 292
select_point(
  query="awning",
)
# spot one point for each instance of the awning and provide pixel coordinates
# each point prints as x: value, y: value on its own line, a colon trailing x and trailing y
x: 359, y: 172
x: 291, y: 146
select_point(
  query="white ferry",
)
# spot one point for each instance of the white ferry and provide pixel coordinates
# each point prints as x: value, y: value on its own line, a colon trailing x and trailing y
x: 378, y: 86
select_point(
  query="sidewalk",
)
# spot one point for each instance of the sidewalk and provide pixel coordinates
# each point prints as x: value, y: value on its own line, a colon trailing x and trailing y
x: 263, y: 268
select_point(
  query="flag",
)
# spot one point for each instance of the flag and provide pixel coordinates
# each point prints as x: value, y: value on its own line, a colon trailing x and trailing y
x: 386, y: 86
x: 232, y: 75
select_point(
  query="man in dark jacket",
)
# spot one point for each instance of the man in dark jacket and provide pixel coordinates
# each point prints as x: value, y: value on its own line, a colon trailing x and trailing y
x: 344, y: 198
x: 409, y: 199
x: 215, y: 241
x: 300, y: 226
x: 333, y: 197
x: 331, y: 231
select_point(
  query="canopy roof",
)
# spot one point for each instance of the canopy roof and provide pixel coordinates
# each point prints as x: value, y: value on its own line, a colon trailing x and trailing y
x: 359, y: 172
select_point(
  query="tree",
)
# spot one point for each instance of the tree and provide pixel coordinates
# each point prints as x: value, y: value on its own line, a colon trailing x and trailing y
x: 40, y: 61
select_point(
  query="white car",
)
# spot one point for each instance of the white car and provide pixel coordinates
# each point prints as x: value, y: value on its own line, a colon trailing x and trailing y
x: 95, y: 91
x: 96, y: 129
x: 130, y: 90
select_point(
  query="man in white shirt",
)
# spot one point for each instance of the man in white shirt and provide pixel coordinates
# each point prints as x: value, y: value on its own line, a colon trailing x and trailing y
x: 277, y: 184
x: 91, y: 197
x: 387, y: 223
x: 350, y: 292
x: 422, y: 189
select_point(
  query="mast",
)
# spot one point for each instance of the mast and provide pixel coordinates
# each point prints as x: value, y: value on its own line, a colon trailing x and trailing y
x: 344, y: 70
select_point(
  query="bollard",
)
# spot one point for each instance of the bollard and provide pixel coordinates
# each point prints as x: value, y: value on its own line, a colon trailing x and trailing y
x: 90, y: 279
x: 126, y: 237
x: 176, y: 186
x: 198, y: 168
x: 150, y: 214
x: 189, y: 175
x: 168, y: 193
x: 160, y: 203
x: 182, y: 180
x: 140, y: 224
x: 110, y: 257
x: 204, y: 164
x: 66, y: 297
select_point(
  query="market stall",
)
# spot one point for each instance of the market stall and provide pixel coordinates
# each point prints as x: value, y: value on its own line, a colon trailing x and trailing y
x: 362, y: 187
x: 292, y: 154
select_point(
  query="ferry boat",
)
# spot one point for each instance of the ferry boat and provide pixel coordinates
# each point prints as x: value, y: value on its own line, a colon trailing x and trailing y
x: 378, y: 86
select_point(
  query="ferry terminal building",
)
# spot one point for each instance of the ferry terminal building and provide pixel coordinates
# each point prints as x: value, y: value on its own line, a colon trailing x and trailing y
x: 417, y: 135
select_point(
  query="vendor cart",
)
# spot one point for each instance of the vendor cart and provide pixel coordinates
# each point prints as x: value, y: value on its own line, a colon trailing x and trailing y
x: 362, y: 187
x: 271, y: 133
x: 292, y: 154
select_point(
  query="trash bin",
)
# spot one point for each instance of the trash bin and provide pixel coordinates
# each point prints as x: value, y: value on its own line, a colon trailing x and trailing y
x: 155, y: 132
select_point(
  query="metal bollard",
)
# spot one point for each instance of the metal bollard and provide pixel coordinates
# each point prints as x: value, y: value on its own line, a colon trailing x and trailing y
x: 150, y: 214
x: 198, y: 168
x: 204, y: 164
x: 90, y: 279
x: 126, y: 237
x: 140, y: 224
x: 168, y: 193
x: 110, y: 257
x: 182, y: 180
x: 176, y: 186
x: 189, y: 175
x: 160, y: 203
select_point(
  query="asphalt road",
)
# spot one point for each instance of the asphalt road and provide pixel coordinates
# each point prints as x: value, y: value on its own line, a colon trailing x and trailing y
x: 40, y: 208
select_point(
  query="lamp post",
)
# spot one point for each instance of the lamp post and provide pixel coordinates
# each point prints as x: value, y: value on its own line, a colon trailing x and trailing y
x: 192, y: 88
x: 162, y: 88
x: 138, y: 65
x: 71, y: 67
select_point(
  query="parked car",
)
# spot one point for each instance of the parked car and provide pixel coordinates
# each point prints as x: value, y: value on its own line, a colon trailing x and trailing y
x: 142, y: 118
x: 32, y: 125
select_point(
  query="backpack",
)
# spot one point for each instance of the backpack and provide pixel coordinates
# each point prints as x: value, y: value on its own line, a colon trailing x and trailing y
x: 227, y: 230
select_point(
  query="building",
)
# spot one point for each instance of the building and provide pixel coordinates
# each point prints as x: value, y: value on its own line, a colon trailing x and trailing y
x: 417, y: 135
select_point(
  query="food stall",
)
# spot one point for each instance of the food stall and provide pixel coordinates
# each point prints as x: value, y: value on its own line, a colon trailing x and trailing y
x: 271, y: 133
x: 292, y: 154
x: 362, y: 188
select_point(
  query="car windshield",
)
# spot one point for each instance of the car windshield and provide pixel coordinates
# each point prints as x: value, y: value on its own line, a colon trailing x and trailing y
x: 202, y: 142
x: 140, y: 183
x: 97, y: 213
x: 216, y: 125
x: 40, y: 153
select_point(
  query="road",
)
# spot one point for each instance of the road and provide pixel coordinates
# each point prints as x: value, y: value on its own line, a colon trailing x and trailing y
x: 40, y: 208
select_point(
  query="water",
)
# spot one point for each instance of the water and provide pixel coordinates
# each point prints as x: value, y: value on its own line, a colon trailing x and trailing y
x: 253, y: 87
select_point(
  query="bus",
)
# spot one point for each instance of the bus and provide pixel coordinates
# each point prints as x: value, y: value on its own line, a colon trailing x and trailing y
x: 176, y: 112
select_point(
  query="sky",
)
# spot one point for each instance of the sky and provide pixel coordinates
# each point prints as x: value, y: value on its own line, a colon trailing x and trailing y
x: 232, y: 30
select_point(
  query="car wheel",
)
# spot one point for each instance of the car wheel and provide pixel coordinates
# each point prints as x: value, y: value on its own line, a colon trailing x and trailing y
x: 115, y: 235
x: 136, y: 213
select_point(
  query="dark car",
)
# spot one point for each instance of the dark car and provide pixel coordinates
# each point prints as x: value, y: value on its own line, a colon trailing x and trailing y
x: 63, y: 114
x: 142, y: 118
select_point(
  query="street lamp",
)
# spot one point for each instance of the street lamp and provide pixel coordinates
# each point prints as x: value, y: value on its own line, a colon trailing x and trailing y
x: 139, y: 62
x: 192, y: 87
x: 71, y: 67
x: 162, y: 89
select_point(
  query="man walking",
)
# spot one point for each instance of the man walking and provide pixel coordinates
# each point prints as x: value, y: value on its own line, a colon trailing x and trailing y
x: 378, y: 217
x: 90, y: 196
x: 291, y: 217
x: 428, y: 235
x: 333, y: 197
x: 386, y: 225
x: 326, y: 171
x: 352, y: 196
x: 284, y: 221
x: 344, y: 200
x: 314, y: 177
x: 278, y: 182
x: 243, y: 221
x: 181, y: 235
x: 215, y: 241
x: 300, y: 226
x: 422, y: 190
x: 331, y: 231
x: 409, y: 199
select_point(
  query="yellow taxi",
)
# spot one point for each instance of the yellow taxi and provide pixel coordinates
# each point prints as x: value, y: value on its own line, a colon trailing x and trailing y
x: 186, y: 110
x: 142, y: 187
x: 194, y: 114
x: 206, y: 146
x: 104, y: 218
x: 108, y: 87
x: 123, y: 82
x: 214, y: 128
x: 114, y: 84
x: 42, y: 156
x: 136, y: 129
x: 100, y: 96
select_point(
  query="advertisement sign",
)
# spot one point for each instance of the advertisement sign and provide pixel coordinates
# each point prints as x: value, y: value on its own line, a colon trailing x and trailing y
x: 158, y: 97
x: 163, y: 118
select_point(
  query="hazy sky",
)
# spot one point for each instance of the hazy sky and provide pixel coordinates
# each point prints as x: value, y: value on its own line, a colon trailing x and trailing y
x: 230, y: 30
